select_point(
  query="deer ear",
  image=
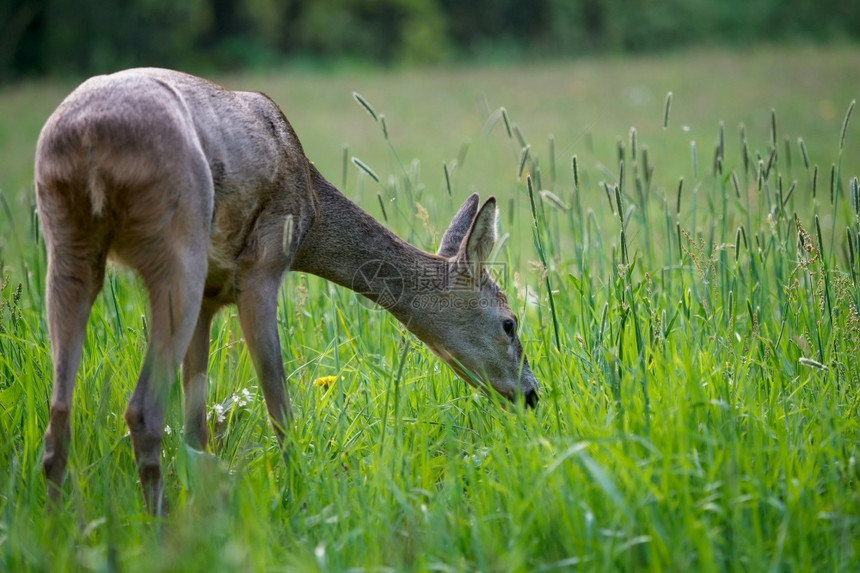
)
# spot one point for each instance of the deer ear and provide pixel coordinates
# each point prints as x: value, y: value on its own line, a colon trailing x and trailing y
x: 453, y: 237
x: 481, y: 238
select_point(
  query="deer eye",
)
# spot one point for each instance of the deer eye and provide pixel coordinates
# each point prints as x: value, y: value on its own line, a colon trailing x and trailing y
x: 510, y: 327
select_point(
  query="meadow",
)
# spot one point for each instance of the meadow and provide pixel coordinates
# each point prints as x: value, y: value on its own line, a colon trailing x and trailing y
x: 685, y: 269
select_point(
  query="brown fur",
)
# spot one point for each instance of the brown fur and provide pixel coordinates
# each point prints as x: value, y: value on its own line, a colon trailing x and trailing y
x: 193, y: 186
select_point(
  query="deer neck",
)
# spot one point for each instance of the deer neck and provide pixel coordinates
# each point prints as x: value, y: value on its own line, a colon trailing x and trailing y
x: 349, y: 247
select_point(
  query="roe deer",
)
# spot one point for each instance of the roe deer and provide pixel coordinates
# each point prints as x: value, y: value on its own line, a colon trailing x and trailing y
x: 208, y: 195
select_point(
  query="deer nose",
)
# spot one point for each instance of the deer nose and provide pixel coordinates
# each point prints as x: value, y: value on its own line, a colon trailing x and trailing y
x: 531, y: 398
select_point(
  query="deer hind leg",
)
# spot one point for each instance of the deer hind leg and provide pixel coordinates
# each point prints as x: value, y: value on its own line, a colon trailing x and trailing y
x: 173, y: 266
x: 74, y: 278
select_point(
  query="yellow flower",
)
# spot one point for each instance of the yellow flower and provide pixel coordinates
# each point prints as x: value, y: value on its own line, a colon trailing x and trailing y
x: 325, y: 381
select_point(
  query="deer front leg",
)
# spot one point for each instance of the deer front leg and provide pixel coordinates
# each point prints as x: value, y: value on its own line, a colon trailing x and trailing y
x: 194, y: 380
x: 258, y: 307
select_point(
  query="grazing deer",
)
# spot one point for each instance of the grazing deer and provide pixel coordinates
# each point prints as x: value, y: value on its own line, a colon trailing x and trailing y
x: 208, y: 195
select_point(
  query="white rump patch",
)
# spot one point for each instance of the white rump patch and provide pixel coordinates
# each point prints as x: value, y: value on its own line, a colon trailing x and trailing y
x: 97, y: 192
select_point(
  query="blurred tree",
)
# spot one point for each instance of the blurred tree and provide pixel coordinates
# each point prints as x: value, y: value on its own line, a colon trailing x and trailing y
x: 576, y: 27
x: 482, y: 26
x: 385, y: 30
x: 93, y: 35
x: 424, y: 35
x: 21, y: 37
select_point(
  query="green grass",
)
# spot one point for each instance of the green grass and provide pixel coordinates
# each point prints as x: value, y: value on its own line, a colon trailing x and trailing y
x: 700, y: 407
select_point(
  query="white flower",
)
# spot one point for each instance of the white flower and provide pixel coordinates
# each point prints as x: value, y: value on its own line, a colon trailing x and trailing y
x: 168, y: 430
x: 219, y: 412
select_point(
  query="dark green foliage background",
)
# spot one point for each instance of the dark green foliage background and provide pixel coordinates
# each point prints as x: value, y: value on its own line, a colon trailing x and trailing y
x: 90, y: 36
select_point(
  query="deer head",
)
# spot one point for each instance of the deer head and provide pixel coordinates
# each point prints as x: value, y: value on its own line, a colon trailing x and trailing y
x: 473, y: 328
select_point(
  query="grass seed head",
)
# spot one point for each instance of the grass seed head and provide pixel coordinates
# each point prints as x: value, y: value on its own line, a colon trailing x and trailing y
x: 666, y: 109
x: 773, y: 127
x: 524, y: 155
x: 364, y: 167
x: 363, y: 103
x: 803, y: 153
x: 507, y: 122
x: 814, y: 180
x: 736, y: 185
x: 845, y: 124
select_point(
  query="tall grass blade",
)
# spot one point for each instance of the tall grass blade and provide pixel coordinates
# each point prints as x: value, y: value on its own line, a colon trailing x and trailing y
x: 855, y: 196
x: 382, y: 206
x: 851, y: 257
x: 721, y: 141
x: 462, y: 153
x: 788, y: 193
x: 518, y: 135
x: 694, y: 159
x: 395, y: 382
x: 343, y: 167
x: 609, y: 194
x: 542, y: 256
x: 771, y: 160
